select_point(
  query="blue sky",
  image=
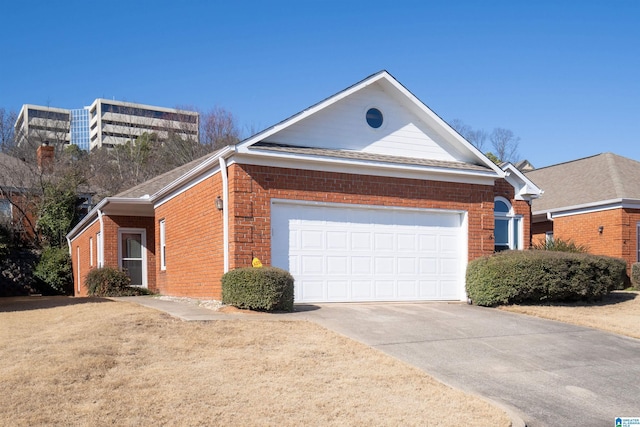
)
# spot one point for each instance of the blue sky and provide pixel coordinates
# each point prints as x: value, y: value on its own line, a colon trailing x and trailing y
x: 564, y: 76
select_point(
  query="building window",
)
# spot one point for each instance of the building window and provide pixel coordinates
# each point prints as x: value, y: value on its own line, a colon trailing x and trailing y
x: 5, y: 211
x: 99, y: 248
x: 90, y: 251
x: 508, y: 226
x: 374, y: 118
x: 163, y: 246
x: 638, y: 241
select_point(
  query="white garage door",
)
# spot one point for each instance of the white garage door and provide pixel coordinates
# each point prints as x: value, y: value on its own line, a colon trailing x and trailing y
x: 338, y: 253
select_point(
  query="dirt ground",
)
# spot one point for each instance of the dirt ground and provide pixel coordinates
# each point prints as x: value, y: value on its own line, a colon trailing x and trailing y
x: 92, y: 362
x: 619, y: 313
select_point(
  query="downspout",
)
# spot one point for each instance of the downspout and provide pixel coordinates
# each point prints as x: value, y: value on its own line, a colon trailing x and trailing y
x: 102, y: 237
x: 225, y: 212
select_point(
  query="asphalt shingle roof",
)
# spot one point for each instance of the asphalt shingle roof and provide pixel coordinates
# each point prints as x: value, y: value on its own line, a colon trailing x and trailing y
x: 157, y: 183
x: 593, y: 179
x: 359, y: 155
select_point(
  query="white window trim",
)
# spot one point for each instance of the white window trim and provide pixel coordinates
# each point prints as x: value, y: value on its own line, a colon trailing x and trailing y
x: 100, y: 248
x: 90, y: 251
x: 143, y: 233
x: 163, y: 245
x: 78, y: 263
x: 638, y: 242
x: 513, y: 219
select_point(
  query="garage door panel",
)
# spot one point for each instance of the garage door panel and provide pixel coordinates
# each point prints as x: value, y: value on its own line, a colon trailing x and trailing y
x: 384, y: 265
x: 383, y: 289
x: 354, y: 254
x: 361, y: 290
x: 361, y: 265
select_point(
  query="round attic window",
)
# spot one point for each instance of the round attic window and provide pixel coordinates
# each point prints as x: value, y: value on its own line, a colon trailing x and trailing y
x: 374, y: 118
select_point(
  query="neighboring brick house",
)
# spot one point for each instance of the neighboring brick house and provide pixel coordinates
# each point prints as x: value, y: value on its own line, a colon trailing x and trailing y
x: 365, y: 196
x: 594, y: 202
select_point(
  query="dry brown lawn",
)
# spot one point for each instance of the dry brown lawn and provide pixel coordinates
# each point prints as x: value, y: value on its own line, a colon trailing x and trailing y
x: 618, y: 313
x: 95, y: 362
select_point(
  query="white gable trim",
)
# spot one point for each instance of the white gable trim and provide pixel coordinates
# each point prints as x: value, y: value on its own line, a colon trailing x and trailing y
x: 414, y: 104
x: 524, y: 188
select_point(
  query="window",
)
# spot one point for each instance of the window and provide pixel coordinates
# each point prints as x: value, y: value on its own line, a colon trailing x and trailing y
x: 508, y: 227
x: 99, y: 249
x: 90, y: 251
x: 5, y: 210
x: 132, y: 254
x: 638, y: 241
x: 163, y: 247
x: 374, y: 118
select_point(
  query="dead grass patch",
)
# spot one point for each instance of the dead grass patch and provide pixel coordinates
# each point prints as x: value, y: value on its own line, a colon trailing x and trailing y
x: 116, y: 363
x: 619, y: 313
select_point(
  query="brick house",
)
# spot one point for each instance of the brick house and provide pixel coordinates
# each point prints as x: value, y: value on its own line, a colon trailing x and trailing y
x: 594, y: 201
x: 365, y: 196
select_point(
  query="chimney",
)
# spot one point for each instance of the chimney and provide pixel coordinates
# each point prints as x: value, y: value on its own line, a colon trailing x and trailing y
x: 45, y: 156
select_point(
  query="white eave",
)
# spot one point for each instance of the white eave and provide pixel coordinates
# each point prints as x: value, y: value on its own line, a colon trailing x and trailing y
x: 601, y: 205
x: 115, y: 206
x: 524, y: 188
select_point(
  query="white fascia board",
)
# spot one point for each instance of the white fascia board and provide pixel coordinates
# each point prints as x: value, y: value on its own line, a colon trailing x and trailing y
x: 92, y: 215
x: 603, y: 205
x: 365, y: 167
x: 243, y: 146
x: 436, y: 121
x: 525, y: 188
x: 183, y: 182
x: 177, y: 190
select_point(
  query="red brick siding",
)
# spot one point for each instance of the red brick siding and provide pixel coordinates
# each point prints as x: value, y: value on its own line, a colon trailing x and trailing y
x: 110, y: 243
x: 539, y: 231
x: 194, y: 242
x: 253, y: 187
x: 82, y: 242
x: 618, y: 237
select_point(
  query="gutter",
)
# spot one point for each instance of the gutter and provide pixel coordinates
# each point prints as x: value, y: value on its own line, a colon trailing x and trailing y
x: 225, y: 212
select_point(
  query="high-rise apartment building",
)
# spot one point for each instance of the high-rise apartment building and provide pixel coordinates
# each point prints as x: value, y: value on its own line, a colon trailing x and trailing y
x: 105, y: 123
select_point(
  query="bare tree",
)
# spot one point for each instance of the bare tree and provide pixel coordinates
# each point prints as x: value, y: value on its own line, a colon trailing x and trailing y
x: 505, y: 144
x: 7, y: 120
x: 218, y: 128
x: 477, y: 137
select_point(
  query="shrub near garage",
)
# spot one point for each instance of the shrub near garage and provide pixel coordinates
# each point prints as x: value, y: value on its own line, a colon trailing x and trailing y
x: 513, y: 277
x: 264, y: 288
x: 635, y: 275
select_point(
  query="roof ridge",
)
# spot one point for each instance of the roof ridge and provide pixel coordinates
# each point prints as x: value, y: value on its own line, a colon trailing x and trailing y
x: 614, y: 173
x: 567, y: 162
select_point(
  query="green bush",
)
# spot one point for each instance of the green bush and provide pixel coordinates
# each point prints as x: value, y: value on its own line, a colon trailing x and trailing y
x: 54, y: 269
x: 559, y: 245
x: 265, y: 288
x: 111, y: 282
x: 514, y: 277
x: 635, y: 275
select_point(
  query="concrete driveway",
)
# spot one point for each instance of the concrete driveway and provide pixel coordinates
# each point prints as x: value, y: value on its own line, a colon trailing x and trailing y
x: 547, y: 373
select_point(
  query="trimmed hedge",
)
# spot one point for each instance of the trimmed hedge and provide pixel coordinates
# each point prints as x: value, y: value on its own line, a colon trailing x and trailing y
x: 111, y: 282
x: 514, y: 277
x: 264, y: 289
x: 635, y: 275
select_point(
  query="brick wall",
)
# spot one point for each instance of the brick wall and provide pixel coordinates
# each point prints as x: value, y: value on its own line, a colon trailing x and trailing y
x: 618, y: 237
x: 194, y: 242
x: 539, y: 231
x: 252, y: 188
x: 82, y: 243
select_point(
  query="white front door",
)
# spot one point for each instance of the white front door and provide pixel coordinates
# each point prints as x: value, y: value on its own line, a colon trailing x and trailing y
x: 132, y: 257
x: 340, y: 253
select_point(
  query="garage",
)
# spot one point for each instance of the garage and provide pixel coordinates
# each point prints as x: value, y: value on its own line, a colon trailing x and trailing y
x: 349, y: 253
